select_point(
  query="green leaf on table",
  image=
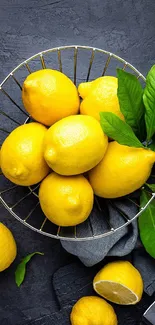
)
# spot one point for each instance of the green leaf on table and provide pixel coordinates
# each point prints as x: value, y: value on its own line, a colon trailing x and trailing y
x: 146, y: 223
x: 21, y: 268
x: 118, y: 130
x: 130, y: 95
x: 149, y: 102
x: 151, y: 187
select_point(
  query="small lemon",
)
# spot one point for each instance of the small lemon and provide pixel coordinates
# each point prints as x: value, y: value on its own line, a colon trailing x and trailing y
x: 8, y: 248
x: 119, y: 282
x: 22, y: 160
x: 74, y: 145
x: 100, y: 95
x: 122, y: 171
x: 66, y: 201
x: 93, y: 310
x: 49, y: 95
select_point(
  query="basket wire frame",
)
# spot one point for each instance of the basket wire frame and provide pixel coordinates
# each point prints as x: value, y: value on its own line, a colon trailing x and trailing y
x: 70, y: 233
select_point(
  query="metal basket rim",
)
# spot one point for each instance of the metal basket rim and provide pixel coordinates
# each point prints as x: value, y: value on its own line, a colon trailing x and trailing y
x: 73, y: 47
x: 77, y: 238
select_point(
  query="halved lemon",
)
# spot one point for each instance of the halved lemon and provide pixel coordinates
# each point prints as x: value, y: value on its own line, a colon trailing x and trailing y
x: 119, y: 282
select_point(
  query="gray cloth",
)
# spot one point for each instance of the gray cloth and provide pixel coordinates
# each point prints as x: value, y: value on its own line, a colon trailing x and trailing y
x: 120, y: 243
x: 146, y: 266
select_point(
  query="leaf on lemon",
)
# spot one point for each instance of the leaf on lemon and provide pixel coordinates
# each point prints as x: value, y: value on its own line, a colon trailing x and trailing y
x: 151, y: 143
x: 146, y: 223
x: 149, y: 102
x: 151, y: 186
x: 21, y: 268
x: 152, y: 146
x: 118, y: 130
x: 130, y: 95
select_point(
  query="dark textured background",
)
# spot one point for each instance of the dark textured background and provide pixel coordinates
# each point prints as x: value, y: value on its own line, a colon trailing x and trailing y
x: 124, y: 27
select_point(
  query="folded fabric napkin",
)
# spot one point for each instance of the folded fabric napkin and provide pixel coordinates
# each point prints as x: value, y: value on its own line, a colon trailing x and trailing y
x: 146, y: 265
x: 118, y: 244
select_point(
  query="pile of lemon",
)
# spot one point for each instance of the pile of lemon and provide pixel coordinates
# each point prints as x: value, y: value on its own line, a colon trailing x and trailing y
x: 66, y: 149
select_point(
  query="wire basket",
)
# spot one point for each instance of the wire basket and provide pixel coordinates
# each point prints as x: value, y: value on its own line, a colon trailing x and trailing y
x: 80, y: 63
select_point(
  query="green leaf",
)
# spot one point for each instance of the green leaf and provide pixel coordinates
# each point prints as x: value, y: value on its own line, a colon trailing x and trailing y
x: 151, y: 186
x: 130, y: 95
x: 146, y: 223
x: 152, y: 146
x: 21, y: 268
x: 149, y: 102
x: 118, y: 130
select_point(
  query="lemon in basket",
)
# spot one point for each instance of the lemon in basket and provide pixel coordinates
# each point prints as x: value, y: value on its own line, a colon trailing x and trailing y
x: 8, y: 248
x: 74, y: 145
x: 119, y: 282
x: 21, y: 155
x: 49, y: 95
x: 100, y: 95
x: 66, y: 201
x: 122, y: 171
x: 93, y: 310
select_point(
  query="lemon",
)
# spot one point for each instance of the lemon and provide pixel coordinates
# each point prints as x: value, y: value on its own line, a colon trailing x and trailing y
x: 66, y: 201
x: 22, y: 160
x: 100, y: 95
x: 122, y: 170
x: 8, y: 248
x: 49, y: 95
x: 93, y: 311
x: 119, y: 282
x: 74, y: 145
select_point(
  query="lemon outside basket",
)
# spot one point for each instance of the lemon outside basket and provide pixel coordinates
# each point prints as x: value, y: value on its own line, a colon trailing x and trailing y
x: 80, y: 63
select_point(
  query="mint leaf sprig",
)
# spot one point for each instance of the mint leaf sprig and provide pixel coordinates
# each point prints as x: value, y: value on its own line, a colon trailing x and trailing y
x: 118, y: 130
x: 137, y: 106
x: 130, y: 95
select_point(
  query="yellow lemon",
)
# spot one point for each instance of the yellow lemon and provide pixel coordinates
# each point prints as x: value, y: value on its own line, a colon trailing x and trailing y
x: 74, y: 145
x: 93, y: 310
x: 66, y: 201
x: 119, y: 282
x: 22, y: 160
x: 122, y: 170
x: 8, y: 248
x: 100, y: 95
x: 49, y: 95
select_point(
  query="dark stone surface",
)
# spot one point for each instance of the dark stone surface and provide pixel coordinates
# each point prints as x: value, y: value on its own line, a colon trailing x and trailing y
x: 125, y: 27
x: 77, y: 282
x: 36, y: 297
